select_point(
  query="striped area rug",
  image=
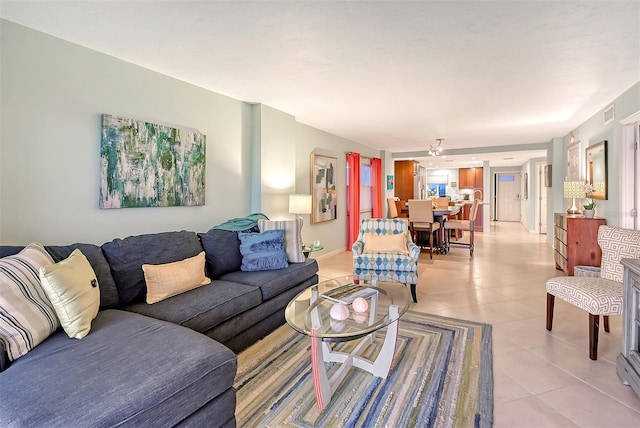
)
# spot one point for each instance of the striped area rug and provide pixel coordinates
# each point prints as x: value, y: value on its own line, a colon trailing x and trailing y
x: 441, y: 376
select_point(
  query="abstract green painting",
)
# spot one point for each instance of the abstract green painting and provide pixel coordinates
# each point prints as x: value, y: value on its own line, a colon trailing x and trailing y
x: 149, y: 165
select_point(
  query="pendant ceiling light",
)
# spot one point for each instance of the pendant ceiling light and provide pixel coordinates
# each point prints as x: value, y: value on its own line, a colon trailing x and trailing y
x: 437, y: 150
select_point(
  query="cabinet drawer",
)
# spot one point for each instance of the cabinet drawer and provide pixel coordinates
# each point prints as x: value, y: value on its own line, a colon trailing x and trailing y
x: 560, y: 234
x: 560, y: 261
x: 561, y: 248
x: 560, y: 220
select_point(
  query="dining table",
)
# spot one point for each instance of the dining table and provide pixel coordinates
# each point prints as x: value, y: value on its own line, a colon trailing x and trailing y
x: 440, y: 214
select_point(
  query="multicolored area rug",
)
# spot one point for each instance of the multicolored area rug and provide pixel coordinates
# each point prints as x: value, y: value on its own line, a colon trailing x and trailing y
x: 441, y: 376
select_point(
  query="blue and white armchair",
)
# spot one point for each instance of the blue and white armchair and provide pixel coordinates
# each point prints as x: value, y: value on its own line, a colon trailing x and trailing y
x: 386, y: 264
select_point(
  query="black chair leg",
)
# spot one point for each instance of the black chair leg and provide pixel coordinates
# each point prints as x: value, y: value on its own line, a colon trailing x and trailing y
x: 551, y: 299
x: 413, y: 293
x: 594, y: 324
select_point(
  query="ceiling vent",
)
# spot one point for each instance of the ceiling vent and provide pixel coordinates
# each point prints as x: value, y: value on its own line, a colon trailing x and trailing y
x: 609, y: 114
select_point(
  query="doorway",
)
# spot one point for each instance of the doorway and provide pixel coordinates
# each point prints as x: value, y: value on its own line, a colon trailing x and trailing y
x: 541, y: 200
x: 507, y: 206
x: 629, y: 167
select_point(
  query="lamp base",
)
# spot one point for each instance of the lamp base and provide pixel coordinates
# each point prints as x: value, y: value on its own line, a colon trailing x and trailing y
x: 573, y: 209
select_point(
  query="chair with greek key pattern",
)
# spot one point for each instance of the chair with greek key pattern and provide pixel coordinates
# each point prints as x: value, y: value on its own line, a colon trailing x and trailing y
x: 600, y: 295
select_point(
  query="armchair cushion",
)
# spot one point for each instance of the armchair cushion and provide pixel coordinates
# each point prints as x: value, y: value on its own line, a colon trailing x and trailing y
x: 395, y: 243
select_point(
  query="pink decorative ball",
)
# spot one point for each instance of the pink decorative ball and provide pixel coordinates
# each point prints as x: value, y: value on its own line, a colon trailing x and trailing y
x: 360, y: 305
x: 339, y: 312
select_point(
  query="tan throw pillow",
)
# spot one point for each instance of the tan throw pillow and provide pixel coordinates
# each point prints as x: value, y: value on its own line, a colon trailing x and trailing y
x: 72, y: 287
x: 169, y: 279
x: 386, y: 243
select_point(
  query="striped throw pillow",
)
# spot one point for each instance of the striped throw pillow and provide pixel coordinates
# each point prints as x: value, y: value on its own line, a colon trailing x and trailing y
x: 27, y: 316
x: 292, y: 236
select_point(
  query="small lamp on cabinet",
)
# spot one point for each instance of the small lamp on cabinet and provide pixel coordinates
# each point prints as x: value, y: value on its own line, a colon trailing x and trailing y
x: 573, y: 190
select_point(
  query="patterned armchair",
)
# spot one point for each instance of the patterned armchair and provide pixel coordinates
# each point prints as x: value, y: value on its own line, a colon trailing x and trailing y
x: 601, y: 294
x: 386, y: 265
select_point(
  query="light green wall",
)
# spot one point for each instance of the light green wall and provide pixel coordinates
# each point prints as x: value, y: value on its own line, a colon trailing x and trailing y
x: 332, y: 234
x: 52, y: 96
x: 593, y: 131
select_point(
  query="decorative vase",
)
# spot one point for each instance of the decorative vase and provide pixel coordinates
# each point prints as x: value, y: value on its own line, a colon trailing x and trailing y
x: 589, y: 213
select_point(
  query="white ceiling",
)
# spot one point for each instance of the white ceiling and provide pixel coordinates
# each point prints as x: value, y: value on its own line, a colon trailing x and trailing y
x: 393, y: 75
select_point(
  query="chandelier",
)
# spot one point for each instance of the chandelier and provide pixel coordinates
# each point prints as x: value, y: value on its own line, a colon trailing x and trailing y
x: 437, y: 150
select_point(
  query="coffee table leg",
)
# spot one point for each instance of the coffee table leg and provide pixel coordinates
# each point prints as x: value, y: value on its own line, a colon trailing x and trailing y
x: 321, y: 384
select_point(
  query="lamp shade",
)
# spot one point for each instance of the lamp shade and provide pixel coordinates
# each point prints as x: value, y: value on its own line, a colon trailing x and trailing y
x: 574, y: 189
x: 300, y: 204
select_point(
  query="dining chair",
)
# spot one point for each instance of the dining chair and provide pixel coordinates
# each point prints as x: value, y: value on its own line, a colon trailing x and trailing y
x: 465, y: 225
x: 442, y: 201
x: 393, y: 209
x: 602, y: 293
x: 421, y: 220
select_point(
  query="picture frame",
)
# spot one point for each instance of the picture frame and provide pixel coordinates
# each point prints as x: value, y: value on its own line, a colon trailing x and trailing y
x: 573, y: 162
x: 596, y: 169
x: 323, y: 188
x: 526, y: 186
x: 389, y: 182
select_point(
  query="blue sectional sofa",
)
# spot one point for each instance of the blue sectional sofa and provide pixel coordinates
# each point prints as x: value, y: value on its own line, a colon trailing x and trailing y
x: 171, y: 363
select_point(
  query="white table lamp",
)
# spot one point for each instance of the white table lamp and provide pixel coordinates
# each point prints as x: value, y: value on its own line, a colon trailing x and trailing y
x: 573, y: 190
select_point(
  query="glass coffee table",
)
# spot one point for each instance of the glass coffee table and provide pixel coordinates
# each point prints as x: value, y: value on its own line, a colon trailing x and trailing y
x: 338, y: 310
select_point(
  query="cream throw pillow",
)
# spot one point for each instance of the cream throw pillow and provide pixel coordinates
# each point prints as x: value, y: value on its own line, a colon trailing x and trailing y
x: 169, y: 279
x: 72, y: 287
x: 386, y: 243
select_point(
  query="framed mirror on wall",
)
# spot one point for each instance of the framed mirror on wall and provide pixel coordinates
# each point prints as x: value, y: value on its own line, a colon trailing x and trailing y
x: 596, y: 169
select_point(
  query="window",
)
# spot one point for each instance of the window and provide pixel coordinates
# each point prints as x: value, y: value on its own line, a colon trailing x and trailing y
x: 436, y: 190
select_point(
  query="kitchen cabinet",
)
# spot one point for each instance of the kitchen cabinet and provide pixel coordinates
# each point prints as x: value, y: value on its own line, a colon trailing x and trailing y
x: 405, y: 172
x: 470, y: 178
x: 473, y: 178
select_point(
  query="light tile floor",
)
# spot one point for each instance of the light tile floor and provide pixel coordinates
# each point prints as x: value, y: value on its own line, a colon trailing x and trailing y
x: 541, y: 379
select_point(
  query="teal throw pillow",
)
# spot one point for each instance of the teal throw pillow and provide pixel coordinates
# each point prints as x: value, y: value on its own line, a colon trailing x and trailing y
x: 263, y: 251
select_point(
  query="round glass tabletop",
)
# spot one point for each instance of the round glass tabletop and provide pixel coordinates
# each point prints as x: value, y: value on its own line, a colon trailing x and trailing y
x: 327, y: 310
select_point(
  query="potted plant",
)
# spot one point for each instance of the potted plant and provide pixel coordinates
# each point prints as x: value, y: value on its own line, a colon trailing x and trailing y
x: 590, y: 207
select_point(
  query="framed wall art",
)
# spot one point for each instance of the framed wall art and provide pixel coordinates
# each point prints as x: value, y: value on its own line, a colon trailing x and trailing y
x: 150, y: 165
x: 596, y: 169
x: 323, y: 188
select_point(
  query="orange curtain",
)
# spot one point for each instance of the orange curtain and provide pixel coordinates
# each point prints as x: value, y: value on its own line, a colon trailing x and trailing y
x: 353, y: 198
x: 376, y: 187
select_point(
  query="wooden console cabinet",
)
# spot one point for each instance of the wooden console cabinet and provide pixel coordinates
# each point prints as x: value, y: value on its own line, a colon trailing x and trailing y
x: 576, y: 241
x: 628, y: 362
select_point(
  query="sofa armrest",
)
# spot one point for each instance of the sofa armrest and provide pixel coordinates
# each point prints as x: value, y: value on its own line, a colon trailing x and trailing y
x: 357, y: 248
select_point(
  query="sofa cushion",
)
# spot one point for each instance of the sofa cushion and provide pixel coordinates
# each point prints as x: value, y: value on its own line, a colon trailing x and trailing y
x: 126, y: 257
x: 263, y: 251
x: 26, y: 314
x: 93, y: 253
x: 222, y: 248
x: 72, y: 288
x: 274, y: 282
x: 173, y: 278
x: 204, y: 307
x: 130, y: 371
